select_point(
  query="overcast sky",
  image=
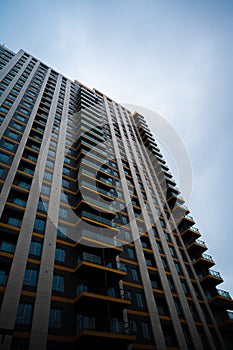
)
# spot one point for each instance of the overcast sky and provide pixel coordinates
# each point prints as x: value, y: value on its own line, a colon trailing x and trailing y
x: 173, y: 57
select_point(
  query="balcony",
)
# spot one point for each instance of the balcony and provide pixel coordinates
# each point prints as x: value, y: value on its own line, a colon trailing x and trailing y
x: 96, y: 239
x: 227, y: 324
x: 196, y: 247
x: 221, y: 300
x: 98, y: 220
x: 211, y: 279
x: 99, y: 190
x: 92, y: 330
x: 205, y: 260
x: 188, y: 220
x: 190, y: 233
x: 91, y: 294
x: 94, y: 266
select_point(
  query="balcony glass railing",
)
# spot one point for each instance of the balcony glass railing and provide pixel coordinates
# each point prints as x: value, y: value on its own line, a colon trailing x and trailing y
x: 207, y: 257
x: 188, y: 217
x: 98, y: 218
x: 223, y: 293
x: 102, y: 325
x: 215, y: 273
x: 101, y: 238
x: 100, y: 261
x: 93, y: 140
x: 99, y: 203
x: 194, y: 228
x: 199, y: 241
x: 87, y: 286
x: 92, y: 146
x: 84, y: 183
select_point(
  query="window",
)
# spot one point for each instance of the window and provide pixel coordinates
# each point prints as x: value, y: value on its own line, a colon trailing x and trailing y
x: 185, y: 287
x: 172, y: 252
x: 61, y: 231
x: 145, y: 330
x: 14, y: 221
x: 52, y: 153
x: 50, y: 164
x: 4, y: 158
x: 162, y: 222
x: 3, y: 110
x: 63, y: 213
x: 24, y: 111
x: 45, y: 189
x: 66, y: 171
x: 148, y: 262
x: 178, y: 308
x: 24, y: 314
x: 130, y: 253
x: 12, y: 135
x: 65, y: 183
x: 19, y: 201
x: 60, y: 255
x: 42, y: 206
x: 139, y: 299
x: 171, y: 284
x: 30, y: 277
x: 17, y: 126
x: 129, y: 295
x: 55, y: 318
x: 58, y: 283
x: 3, y: 278
x: 178, y: 269
x: 35, y: 248
x: 8, y: 145
x: 134, y: 327
x: 7, y: 247
x: 135, y: 274
x: 24, y: 185
x: 1, y: 171
x: 48, y: 176
x: 39, y: 225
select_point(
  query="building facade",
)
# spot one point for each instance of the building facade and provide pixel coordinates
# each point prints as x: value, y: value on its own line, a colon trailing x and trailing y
x: 97, y: 248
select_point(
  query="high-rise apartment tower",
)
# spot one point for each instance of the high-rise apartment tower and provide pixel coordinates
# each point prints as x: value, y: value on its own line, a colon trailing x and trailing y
x: 97, y: 249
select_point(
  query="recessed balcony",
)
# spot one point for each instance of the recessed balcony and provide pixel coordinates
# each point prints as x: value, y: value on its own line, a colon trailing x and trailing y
x: 99, y: 220
x: 95, y: 267
x: 97, y: 239
x: 93, y: 330
x: 96, y: 296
